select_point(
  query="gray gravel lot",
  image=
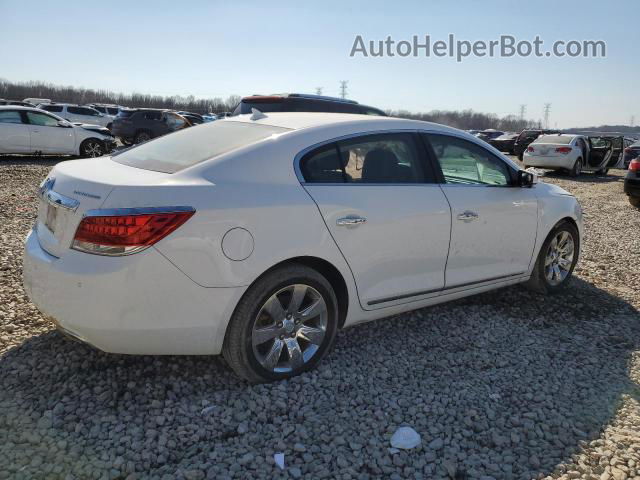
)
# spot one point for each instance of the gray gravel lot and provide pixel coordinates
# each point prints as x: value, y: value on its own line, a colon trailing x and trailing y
x: 502, y: 385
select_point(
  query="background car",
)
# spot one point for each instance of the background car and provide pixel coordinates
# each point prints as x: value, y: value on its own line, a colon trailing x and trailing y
x: 299, y: 102
x: 77, y: 113
x: 571, y: 153
x: 488, y: 134
x: 632, y: 182
x: 630, y: 152
x: 109, y: 111
x: 182, y: 244
x: 28, y: 130
x: 142, y: 124
x: 525, y: 137
x: 504, y: 142
x: 194, y: 118
x: 15, y: 102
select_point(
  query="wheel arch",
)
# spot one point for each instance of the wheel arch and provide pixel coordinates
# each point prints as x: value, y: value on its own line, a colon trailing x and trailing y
x: 327, y: 270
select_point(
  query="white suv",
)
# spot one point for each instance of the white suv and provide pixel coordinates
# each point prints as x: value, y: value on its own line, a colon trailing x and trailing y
x: 77, y: 113
x: 110, y: 111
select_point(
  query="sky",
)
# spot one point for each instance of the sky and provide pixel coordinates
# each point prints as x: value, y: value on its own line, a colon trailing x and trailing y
x: 216, y: 49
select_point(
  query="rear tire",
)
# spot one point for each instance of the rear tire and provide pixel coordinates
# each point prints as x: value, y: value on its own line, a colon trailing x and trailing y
x: 577, y: 168
x: 270, y: 337
x: 634, y: 201
x: 92, y: 148
x: 551, y: 262
x: 602, y: 171
x: 142, y: 136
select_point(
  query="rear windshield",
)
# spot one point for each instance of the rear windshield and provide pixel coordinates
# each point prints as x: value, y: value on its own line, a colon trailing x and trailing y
x: 265, y: 107
x: 193, y: 145
x: 555, y: 139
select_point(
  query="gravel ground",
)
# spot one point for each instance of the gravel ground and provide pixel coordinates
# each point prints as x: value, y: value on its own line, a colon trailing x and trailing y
x: 502, y: 385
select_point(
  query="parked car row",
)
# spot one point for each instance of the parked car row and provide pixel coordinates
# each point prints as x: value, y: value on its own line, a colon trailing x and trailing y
x: 29, y: 130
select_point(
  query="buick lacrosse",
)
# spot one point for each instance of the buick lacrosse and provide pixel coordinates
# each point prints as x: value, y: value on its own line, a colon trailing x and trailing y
x: 260, y: 236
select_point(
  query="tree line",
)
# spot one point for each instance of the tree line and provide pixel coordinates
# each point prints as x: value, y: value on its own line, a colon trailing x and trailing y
x: 463, y: 119
x: 68, y: 94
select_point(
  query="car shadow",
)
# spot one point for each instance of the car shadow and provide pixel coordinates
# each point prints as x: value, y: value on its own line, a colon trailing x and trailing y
x: 512, y: 382
x: 586, y: 177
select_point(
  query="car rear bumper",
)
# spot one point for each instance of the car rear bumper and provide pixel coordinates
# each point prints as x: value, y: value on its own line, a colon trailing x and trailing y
x: 548, y: 162
x: 137, y: 304
x: 632, y: 186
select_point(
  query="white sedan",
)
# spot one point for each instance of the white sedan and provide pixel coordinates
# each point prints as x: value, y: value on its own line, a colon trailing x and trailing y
x: 260, y: 236
x: 29, y: 130
x: 572, y: 153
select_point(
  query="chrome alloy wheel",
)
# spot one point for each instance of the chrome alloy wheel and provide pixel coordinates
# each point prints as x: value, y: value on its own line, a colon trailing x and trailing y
x: 93, y: 149
x: 559, y: 258
x: 289, y: 328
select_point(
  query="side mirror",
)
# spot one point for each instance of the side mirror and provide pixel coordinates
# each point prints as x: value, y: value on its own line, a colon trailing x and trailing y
x: 64, y: 124
x: 527, y: 179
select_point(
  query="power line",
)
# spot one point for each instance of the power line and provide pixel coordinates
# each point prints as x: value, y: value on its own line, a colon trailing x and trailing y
x: 343, y: 88
x: 547, y: 110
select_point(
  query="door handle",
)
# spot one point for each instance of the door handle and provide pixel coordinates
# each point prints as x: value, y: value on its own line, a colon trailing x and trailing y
x: 468, y: 216
x: 350, y: 221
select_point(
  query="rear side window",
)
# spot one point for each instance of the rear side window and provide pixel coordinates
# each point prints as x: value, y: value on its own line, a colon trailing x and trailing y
x: 152, y: 115
x: 323, y: 166
x: 191, y: 146
x: 377, y: 159
x: 100, y: 109
x: 53, y: 108
x: 82, y: 111
x: 10, y: 116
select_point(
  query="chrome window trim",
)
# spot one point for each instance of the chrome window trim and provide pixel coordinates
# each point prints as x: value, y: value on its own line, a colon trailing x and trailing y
x: 114, y: 212
x: 296, y: 161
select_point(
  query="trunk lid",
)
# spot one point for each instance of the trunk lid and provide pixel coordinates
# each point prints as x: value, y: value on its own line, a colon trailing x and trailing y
x: 74, y: 187
x: 548, y: 149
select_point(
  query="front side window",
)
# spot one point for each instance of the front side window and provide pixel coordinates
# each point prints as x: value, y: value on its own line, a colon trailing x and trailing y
x: 41, y: 119
x: 463, y: 162
x: 10, y: 116
x: 382, y: 158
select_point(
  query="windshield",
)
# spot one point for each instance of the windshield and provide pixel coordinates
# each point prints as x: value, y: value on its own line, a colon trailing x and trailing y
x: 190, y: 146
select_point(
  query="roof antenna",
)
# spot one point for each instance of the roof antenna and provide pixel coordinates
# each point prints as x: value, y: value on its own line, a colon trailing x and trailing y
x: 257, y: 114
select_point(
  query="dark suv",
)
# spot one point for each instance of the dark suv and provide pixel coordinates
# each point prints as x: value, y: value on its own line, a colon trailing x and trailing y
x: 299, y: 102
x: 142, y: 124
x: 526, y: 137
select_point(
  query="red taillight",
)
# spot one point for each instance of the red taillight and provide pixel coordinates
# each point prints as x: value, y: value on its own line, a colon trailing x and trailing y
x: 530, y: 149
x: 563, y: 150
x: 634, y: 166
x: 122, y: 234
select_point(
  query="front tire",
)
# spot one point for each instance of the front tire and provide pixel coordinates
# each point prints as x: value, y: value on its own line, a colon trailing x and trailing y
x: 557, y: 259
x: 92, y: 148
x: 283, y: 325
x: 577, y: 168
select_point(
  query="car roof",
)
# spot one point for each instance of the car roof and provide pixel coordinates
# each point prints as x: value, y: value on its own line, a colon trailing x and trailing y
x: 20, y: 107
x: 307, y: 120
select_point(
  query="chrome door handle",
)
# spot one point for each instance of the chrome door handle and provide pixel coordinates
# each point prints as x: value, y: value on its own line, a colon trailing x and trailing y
x: 350, y: 221
x: 467, y: 216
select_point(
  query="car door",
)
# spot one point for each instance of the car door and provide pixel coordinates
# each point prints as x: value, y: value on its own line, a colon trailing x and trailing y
x: 494, y: 222
x: 14, y: 132
x: 387, y: 215
x: 49, y: 137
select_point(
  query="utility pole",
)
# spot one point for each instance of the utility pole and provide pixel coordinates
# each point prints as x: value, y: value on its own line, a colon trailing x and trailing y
x: 632, y: 121
x: 343, y: 88
x: 547, y: 110
x: 523, y: 109
x: 318, y: 90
